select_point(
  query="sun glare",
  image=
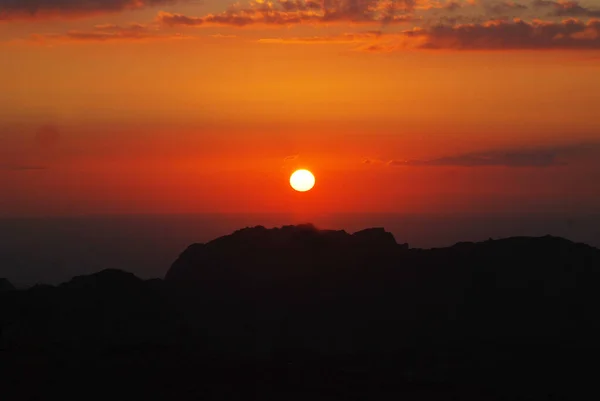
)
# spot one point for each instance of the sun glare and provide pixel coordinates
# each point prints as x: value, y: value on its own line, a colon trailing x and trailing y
x: 302, y: 180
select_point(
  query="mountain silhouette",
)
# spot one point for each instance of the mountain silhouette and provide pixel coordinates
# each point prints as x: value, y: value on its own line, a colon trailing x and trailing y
x: 363, y: 289
x: 277, y: 254
x: 297, y: 312
x: 110, y: 307
x: 5, y: 285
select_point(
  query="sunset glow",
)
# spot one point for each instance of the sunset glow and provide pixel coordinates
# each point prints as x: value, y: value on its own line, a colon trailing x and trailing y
x: 199, y: 107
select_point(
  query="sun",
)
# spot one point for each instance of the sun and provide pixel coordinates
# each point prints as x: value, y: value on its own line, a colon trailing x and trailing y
x: 302, y: 180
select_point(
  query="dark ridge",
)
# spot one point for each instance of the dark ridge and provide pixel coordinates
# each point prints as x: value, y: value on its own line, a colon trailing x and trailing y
x: 106, y: 279
x: 5, y: 285
x: 306, y: 234
x: 322, y: 281
x: 301, y: 313
x: 302, y: 248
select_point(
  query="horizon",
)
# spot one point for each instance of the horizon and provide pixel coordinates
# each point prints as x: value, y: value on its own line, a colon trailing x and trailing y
x: 53, y: 249
x: 441, y: 121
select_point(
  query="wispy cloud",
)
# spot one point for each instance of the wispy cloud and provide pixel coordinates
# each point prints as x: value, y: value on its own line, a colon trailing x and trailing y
x: 542, y: 157
x: 109, y: 33
x: 221, y: 36
x: 294, y: 12
x: 344, y: 38
x: 369, y: 160
x: 505, y: 7
x: 34, y: 9
x: 435, y: 24
x: 567, y: 8
x: 571, y: 34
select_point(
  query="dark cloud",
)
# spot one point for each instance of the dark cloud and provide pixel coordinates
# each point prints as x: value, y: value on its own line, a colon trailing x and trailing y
x: 18, y: 9
x: 570, y: 34
x: 546, y: 157
x: 500, y: 35
x: 452, y: 6
x: 567, y: 8
x: 518, y: 34
x: 178, y: 19
x: 293, y: 12
x: 299, y: 5
x: 343, y: 38
x: 291, y: 157
x: 109, y: 32
x: 456, y: 19
x: 505, y: 7
x: 487, y: 159
x: 239, y: 18
x: 383, y: 12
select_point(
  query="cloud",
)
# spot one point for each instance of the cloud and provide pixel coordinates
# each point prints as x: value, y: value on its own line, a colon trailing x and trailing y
x: 344, y: 38
x: 516, y: 159
x: 294, y: 12
x: 299, y: 5
x: 505, y: 7
x: 542, y: 157
x: 291, y: 157
x: 499, y: 35
x: 456, y: 20
x: 567, y: 8
x: 383, y: 12
x: 31, y: 9
x: 517, y: 34
x: 221, y: 36
x: 450, y: 6
x: 108, y: 33
x: 453, y: 6
x: 368, y: 160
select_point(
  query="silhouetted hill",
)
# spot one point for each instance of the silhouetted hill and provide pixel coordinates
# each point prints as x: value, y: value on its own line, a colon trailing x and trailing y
x: 106, y: 308
x: 106, y: 280
x: 309, y: 287
x: 5, y: 285
x: 258, y: 254
x: 296, y: 312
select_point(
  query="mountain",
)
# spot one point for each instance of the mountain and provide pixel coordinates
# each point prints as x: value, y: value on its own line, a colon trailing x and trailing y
x: 110, y: 307
x: 257, y: 254
x: 302, y: 286
x: 297, y: 312
x: 5, y: 285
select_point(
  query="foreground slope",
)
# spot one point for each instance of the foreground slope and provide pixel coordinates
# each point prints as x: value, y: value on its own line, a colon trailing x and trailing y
x: 301, y: 313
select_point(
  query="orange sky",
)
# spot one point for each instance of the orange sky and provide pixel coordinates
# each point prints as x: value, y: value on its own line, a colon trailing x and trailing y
x: 159, y: 106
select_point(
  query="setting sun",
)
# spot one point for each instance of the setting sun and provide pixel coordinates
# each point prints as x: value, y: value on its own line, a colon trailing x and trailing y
x: 302, y: 180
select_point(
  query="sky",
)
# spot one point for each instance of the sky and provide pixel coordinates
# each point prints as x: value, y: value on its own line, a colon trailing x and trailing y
x: 207, y: 106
